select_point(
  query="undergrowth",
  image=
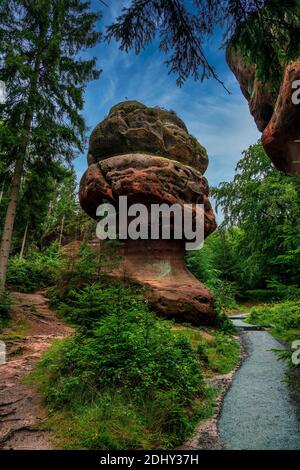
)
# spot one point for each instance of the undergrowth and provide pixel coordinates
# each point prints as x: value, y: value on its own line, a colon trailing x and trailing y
x: 126, y: 379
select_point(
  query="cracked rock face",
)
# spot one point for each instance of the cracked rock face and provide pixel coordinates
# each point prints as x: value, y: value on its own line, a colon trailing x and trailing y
x: 133, y: 127
x: 275, y: 114
x: 146, y: 160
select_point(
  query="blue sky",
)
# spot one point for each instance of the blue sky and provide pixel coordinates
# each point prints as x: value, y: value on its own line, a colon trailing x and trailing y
x: 221, y: 122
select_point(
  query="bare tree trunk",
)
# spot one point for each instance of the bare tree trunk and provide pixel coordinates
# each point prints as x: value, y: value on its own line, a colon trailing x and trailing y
x: 9, y: 220
x: 24, y: 241
x: 61, y: 231
x: 2, y: 191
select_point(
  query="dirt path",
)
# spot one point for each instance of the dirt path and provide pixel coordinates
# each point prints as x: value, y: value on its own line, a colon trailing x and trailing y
x: 32, y: 328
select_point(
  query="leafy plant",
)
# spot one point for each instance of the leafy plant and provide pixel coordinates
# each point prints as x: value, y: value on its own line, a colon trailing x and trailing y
x: 37, y: 271
x: 283, y: 318
x: 85, y: 307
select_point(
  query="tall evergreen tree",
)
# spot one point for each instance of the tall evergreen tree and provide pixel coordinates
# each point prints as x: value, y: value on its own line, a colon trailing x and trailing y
x: 38, y: 179
x: 40, y: 42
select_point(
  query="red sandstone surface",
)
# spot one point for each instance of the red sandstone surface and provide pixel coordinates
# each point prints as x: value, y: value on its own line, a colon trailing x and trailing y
x: 275, y: 114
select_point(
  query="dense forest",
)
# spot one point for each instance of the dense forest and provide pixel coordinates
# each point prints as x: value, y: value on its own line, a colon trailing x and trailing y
x: 255, y: 252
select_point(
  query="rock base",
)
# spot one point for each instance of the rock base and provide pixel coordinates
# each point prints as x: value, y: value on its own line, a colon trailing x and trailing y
x: 158, y: 266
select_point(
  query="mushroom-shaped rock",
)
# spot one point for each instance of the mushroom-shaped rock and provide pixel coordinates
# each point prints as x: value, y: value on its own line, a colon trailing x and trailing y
x: 147, y: 155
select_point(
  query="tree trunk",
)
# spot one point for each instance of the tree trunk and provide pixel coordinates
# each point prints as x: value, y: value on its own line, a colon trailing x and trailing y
x: 16, y: 181
x: 2, y: 191
x: 24, y: 241
x: 61, y: 230
x: 9, y: 220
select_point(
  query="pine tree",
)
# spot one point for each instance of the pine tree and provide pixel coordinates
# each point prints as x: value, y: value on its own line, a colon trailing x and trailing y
x: 267, y: 31
x: 40, y: 42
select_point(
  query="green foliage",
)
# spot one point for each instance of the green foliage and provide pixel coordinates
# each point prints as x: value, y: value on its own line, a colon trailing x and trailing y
x: 225, y: 324
x: 224, y: 294
x: 130, y: 382
x: 86, y: 267
x: 283, y: 291
x: 270, y: 39
x: 264, y: 295
x: 221, y: 354
x: 37, y: 271
x: 85, y: 307
x: 79, y: 268
x: 41, y: 42
x: 216, y: 266
x: 283, y: 318
x: 5, y: 306
x: 63, y: 218
x: 263, y: 231
x: 123, y: 353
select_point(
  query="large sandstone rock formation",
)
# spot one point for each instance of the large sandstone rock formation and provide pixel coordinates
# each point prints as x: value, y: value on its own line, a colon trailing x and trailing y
x: 148, y: 155
x: 274, y: 112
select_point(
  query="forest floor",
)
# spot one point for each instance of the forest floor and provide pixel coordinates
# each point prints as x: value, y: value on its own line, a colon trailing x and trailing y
x: 255, y: 413
x: 32, y: 328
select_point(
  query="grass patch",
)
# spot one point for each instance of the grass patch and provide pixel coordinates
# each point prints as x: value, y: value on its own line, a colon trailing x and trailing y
x: 116, y: 420
x: 283, y: 319
x: 16, y: 330
x: 218, y: 352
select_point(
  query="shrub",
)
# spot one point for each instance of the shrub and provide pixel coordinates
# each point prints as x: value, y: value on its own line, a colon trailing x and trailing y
x: 284, y: 318
x: 224, y: 293
x: 223, y: 353
x: 86, y: 306
x: 290, y: 292
x: 86, y: 267
x: 220, y: 355
x: 265, y: 295
x: 225, y: 324
x: 130, y: 382
x: 79, y: 269
x: 37, y: 271
x: 202, y: 351
x: 135, y: 351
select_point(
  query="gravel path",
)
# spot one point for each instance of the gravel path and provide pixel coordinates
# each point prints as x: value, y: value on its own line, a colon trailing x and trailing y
x: 257, y: 412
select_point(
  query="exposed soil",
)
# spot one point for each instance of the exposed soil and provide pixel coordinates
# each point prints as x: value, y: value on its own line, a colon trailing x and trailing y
x: 29, y: 334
